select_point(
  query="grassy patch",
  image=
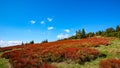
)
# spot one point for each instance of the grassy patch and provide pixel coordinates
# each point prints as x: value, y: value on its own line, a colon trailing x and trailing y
x: 66, y: 65
x: 92, y: 64
x: 3, y: 62
x: 112, y: 51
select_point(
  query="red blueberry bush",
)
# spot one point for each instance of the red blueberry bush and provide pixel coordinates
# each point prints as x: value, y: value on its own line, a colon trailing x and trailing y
x: 41, y: 55
x: 110, y: 63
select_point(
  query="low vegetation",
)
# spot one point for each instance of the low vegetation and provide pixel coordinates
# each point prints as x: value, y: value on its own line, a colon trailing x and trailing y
x: 79, y: 51
x: 47, y: 54
x: 110, y: 63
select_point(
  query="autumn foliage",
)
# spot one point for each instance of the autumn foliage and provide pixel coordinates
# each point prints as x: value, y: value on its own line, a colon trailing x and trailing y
x: 41, y: 55
x: 110, y: 63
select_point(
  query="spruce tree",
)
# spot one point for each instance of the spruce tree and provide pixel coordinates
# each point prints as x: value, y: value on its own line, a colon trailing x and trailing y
x: 83, y: 33
x: 117, y: 28
x: 78, y: 34
x: 32, y: 42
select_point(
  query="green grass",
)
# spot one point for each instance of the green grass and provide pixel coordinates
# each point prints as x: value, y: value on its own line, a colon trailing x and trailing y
x: 112, y: 51
x: 3, y: 62
x: 92, y: 64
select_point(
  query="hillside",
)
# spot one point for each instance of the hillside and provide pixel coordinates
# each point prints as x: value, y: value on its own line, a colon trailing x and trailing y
x: 83, y: 53
x: 59, y: 33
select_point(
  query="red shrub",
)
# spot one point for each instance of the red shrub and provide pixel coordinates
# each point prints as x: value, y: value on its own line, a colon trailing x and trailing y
x: 35, y: 55
x: 110, y: 63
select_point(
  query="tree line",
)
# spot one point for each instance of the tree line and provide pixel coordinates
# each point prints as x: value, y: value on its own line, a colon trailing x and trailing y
x: 109, y: 32
x: 32, y: 42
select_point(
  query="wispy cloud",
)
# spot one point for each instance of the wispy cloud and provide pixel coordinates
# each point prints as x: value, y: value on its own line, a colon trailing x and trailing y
x: 32, y: 22
x: 9, y: 43
x: 67, y: 30
x: 50, y: 19
x: 50, y: 28
x: 42, y: 22
x: 61, y: 36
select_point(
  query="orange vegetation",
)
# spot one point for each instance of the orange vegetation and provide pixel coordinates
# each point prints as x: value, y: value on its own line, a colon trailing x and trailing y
x: 41, y: 55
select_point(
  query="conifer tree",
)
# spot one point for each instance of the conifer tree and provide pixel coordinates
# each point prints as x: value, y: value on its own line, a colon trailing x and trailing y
x: 83, y: 34
x: 117, y: 28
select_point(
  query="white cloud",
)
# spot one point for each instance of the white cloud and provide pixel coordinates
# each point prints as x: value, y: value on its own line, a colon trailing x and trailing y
x: 42, y: 22
x: 50, y: 28
x: 67, y: 30
x: 9, y: 43
x: 61, y: 36
x: 49, y: 19
x: 32, y: 22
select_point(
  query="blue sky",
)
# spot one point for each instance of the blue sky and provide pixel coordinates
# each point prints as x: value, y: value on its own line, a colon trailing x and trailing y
x: 26, y: 20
